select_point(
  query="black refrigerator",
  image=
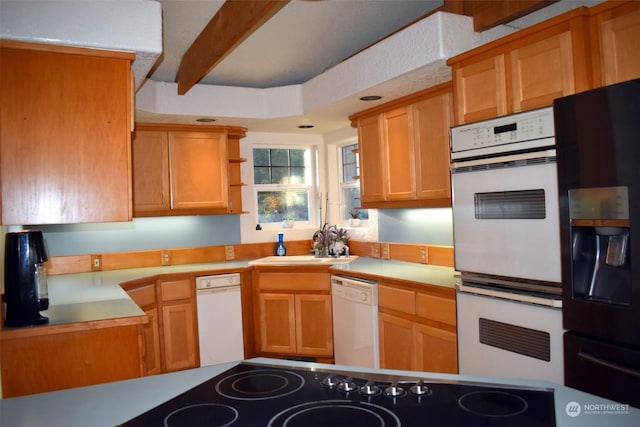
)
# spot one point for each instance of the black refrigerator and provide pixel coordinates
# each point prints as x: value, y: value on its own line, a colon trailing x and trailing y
x: 598, y: 160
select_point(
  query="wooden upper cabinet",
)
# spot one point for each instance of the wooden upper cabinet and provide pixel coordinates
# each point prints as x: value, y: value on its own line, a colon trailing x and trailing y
x: 615, y: 30
x: 198, y: 170
x: 404, y: 150
x: 400, y: 153
x: 432, y: 118
x: 372, y: 158
x: 184, y: 170
x: 151, y: 172
x: 65, y: 147
x: 524, y: 70
x: 481, y: 89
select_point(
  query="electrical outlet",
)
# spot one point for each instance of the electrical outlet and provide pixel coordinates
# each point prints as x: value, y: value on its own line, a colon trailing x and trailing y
x: 166, y: 258
x: 423, y: 254
x: 385, y: 250
x: 375, y: 251
x: 228, y: 252
x: 96, y: 262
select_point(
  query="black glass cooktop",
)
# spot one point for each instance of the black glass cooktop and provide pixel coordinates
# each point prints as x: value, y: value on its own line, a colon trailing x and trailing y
x: 250, y: 395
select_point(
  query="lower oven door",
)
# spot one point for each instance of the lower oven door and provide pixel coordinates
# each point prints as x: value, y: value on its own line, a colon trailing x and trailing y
x: 505, y: 338
x: 505, y: 216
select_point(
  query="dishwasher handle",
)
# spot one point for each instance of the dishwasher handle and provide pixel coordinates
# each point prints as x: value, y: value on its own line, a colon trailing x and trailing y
x: 218, y: 290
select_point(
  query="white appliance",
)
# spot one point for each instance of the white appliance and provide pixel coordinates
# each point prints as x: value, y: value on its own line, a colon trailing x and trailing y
x: 355, y: 321
x: 219, y: 318
x: 507, y: 247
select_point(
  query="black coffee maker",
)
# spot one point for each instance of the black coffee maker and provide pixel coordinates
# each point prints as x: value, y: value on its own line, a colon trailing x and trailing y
x: 25, y: 279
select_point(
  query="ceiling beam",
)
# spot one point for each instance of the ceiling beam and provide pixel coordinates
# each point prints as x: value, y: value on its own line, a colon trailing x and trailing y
x: 233, y: 23
x: 489, y: 13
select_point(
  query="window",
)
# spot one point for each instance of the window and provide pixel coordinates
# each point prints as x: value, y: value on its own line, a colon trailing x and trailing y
x: 283, y: 179
x: 349, y: 183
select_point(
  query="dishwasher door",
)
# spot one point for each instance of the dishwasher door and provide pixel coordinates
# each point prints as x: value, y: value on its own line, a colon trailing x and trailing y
x: 355, y: 322
x: 220, y: 331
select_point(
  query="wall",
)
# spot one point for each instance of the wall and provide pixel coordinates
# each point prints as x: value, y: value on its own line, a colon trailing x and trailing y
x: 141, y: 234
x: 433, y: 226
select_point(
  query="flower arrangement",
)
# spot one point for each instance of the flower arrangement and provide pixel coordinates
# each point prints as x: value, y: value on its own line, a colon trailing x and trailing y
x: 330, y: 241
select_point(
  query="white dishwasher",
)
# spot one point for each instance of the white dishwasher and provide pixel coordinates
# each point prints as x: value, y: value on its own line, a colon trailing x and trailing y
x: 355, y: 321
x: 219, y: 318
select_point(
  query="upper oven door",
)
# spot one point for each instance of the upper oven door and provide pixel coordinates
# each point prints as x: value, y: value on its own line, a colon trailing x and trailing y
x: 505, y: 216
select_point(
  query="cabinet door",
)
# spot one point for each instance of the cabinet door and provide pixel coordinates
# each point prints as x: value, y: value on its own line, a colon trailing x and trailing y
x: 314, y: 325
x: 397, y: 343
x: 150, y: 171
x: 372, y: 176
x: 543, y: 71
x: 432, y: 120
x: 437, y: 350
x: 399, y: 150
x: 199, y: 170
x: 179, y: 334
x: 277, y: 323
x: 151, y: 336
x: 480, y: 89
x: 145, y: 296
x: 65, y: 143
x: 617, y: 30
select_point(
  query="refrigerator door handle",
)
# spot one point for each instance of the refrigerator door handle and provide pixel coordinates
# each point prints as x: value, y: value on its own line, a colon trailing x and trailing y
x: 607, y: 364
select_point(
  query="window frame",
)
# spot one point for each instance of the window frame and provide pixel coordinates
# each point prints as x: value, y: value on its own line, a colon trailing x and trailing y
x: 310, y: 188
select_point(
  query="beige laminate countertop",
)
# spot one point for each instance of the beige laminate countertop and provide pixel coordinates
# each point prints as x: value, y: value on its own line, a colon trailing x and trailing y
x: 95, y: 296
x: 407, y: 271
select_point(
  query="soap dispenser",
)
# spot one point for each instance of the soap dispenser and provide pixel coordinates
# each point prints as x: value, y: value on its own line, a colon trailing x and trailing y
x: 280, y: 249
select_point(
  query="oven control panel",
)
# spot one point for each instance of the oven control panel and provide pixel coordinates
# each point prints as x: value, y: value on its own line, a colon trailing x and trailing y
x: 518, y: 131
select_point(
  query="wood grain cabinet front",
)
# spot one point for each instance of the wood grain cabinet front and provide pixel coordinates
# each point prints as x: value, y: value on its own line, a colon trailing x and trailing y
x: 185, y: 170
x: 170, y: 337
x: 524, y: 70
x: 417, y: 328
x: 615, y: 30
x: 294, y: 313
x: 404, y: 150
x: 65, y: 139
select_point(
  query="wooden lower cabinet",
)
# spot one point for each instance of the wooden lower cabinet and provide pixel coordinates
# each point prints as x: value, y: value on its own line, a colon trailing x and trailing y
x: 397, y: 343
x: 294, y: 313
x: 145, y: 296
x: 179, y: 333
x: 170, y: 338
x: 49, y: 358
x: 417, y: 328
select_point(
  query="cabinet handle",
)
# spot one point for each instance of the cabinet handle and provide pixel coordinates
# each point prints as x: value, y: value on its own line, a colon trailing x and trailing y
x: 598, y: 361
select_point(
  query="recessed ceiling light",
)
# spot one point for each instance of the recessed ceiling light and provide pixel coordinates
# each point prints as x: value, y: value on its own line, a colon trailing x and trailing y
x: 305, y: 126
x: 370, y: 98
x: 205, y: 120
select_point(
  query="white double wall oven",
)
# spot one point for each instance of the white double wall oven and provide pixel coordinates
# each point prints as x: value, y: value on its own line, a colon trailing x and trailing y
x: 507, y: 247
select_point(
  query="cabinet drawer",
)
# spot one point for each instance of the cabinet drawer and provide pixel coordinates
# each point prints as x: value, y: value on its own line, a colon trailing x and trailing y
x: 397, y: 299
x: 295, y: 281
x: 144, y: 295
x: 176, y: 289
x: 436, y: 308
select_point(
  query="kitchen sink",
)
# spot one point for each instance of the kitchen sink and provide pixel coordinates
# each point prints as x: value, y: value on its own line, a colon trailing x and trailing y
x: 302, y: 260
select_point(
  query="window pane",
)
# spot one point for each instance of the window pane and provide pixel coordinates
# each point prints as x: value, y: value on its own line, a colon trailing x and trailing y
x: 275, y: 206
x: 351, y: 198
x: 261, y: 157
x: 349, y: 163
x: 262, y: 175
x: 281, y: 166
x: 279, y: 157
x: 297, y: 157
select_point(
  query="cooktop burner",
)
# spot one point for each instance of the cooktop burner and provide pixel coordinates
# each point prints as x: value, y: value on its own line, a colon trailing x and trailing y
x: 250, y: 395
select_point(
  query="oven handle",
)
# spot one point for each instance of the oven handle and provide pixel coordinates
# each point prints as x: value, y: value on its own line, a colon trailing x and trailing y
x: 545, y: 154
x: 607, y: 364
